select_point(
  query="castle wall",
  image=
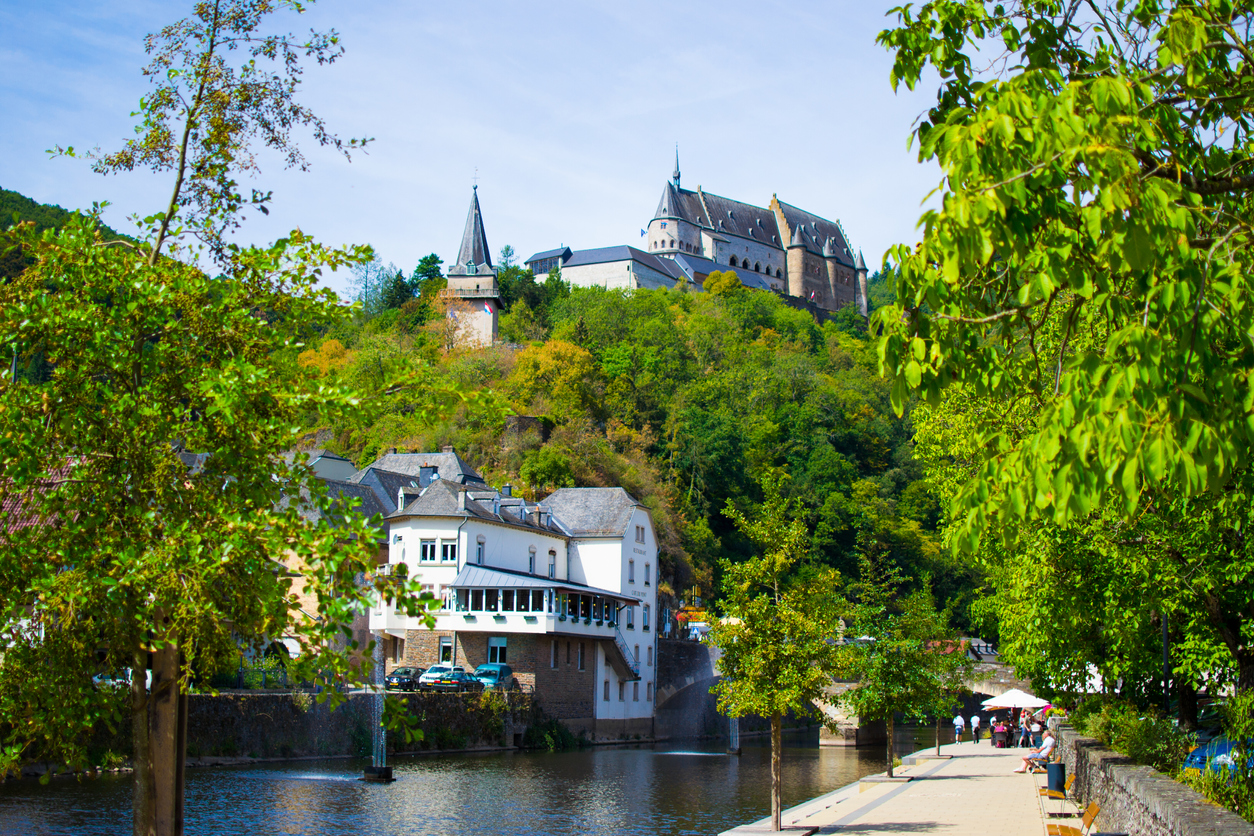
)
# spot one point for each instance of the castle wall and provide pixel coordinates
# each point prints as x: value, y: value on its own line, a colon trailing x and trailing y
x: 613, y: 275
x: 674, y: 236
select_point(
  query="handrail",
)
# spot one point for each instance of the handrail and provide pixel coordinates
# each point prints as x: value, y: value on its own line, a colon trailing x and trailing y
x: 632, y: 661
x: 481, y: 294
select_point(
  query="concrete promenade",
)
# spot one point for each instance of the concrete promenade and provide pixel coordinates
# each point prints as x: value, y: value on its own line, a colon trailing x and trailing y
x: 972, y: 792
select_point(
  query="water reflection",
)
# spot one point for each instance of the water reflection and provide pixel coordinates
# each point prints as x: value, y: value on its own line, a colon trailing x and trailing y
x: 667, y: 791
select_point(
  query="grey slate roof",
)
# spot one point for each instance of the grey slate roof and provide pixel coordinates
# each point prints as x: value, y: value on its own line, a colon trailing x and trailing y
x: 561, y: 252
x: 695, y: 264
x: 860, y: 264
x: 342, y: 494
x: 440, y: 499
x: 450, y: 466
x: 385, y: 484
x: 814, y: 231
x: 474, y: 247
x: 474, y: 576
x: 593, y: 512
x: 602, y: 255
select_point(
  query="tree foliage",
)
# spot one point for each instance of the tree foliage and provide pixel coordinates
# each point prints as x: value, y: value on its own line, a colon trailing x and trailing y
x: 1091, y: 252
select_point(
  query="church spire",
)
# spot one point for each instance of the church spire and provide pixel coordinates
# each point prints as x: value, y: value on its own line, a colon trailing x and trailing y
x: 473, y: 257
x: 675, y: 174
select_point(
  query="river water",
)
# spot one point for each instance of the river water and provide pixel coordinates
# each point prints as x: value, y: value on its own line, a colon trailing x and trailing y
x: 650, y: 791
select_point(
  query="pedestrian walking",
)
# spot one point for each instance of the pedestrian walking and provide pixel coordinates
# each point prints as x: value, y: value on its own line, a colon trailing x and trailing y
x: 1036, y: 732
x: 959, y: 724
x: 975, y: 728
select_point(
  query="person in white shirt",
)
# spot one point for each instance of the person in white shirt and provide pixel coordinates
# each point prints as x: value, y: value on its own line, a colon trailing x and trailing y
x: 1039, y: 755
x: 975, y: 727
x: 959, y: 724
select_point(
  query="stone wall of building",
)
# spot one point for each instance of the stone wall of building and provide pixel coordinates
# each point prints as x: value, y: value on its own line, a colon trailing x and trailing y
x: 1137, y: 799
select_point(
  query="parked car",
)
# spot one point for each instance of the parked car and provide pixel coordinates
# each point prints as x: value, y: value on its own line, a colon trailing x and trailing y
x: 431, y: 674
x: 496, y: 676
x: 456, y: 680
x: 1215, y: 755
x: 403, y: 679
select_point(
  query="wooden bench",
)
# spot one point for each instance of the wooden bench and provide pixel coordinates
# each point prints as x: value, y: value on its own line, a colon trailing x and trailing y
x: 1062, y: 797
x: 1085, y: 828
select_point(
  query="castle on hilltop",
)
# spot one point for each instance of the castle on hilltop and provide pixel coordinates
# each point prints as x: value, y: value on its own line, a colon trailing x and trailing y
x: 693, y: 233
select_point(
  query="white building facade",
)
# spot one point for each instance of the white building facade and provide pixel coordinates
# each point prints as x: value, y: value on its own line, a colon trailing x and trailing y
x: 564, y: 592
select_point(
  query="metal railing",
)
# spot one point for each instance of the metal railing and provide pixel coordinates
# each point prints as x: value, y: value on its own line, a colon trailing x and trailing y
x: 473, y: 294
x: 623, y: 648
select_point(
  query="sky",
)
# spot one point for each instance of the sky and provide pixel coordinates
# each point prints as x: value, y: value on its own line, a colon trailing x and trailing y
x: 568, y: 115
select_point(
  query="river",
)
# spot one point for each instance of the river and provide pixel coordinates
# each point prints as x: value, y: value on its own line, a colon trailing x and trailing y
x: 650, y: 791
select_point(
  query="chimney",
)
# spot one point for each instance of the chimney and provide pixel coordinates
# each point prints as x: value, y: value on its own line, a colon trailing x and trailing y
x: 461, y: 500
x: 391, y: 451
x: 507, y: 490
x: 496, y: 505
x: 447, y: 448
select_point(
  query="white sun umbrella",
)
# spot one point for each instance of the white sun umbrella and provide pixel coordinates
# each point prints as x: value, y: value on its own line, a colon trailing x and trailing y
x: 1015, y: 698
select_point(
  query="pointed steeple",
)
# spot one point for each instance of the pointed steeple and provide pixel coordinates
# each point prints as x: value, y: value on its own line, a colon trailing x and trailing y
x: 474, y: 257
x: 860, y: 264
x: 829, y: 248
x: 675, y: 173
x: 798, y: 236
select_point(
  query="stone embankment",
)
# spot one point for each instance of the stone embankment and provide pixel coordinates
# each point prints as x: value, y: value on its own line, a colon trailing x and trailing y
x: 1139, y: 800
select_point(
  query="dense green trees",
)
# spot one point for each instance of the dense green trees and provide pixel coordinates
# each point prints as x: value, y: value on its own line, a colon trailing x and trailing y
x: 686, y: 399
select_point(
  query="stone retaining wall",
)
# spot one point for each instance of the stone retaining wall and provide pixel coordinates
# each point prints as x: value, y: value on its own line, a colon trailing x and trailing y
x: 1138, y: 800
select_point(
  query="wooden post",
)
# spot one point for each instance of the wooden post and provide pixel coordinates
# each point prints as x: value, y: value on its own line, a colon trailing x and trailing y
x: 889, y: 724
x: 164, y: 738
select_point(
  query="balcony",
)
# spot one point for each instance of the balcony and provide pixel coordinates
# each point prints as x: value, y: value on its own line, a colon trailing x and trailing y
x: 385, y: 619
x: 489, y: 293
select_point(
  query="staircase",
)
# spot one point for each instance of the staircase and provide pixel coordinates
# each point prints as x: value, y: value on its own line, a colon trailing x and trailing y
x: 620, y: 657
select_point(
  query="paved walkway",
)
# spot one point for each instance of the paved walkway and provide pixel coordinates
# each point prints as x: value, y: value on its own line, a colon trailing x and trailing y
x: 973, y: 792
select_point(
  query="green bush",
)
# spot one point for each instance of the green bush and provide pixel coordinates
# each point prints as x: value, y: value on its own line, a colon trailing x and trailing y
x: 1145, y: 737
x: 550, y: 735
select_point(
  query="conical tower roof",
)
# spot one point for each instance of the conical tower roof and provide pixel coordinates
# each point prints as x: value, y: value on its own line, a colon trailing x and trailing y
x: 474, y: 257
x: 860, y: 264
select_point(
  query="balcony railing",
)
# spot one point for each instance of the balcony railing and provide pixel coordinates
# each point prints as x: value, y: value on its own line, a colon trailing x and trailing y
x: 490, y: 293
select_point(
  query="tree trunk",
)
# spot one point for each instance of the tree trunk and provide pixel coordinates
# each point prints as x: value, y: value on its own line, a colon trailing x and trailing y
x: 889, y: 726
x: 777, y: 777
x: 938, y: 735
x: 1188, y: 702
x: 164, y: 741
x: 143, y: 799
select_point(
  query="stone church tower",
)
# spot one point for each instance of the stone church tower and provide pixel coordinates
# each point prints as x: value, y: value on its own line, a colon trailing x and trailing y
x: 473, y: 295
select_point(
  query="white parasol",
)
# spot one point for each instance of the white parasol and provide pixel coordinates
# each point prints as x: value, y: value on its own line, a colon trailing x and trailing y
x: 1015, y: 698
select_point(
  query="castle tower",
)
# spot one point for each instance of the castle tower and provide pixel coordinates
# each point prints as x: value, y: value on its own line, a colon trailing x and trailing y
x: 859, y: 269
x: 473, y: 294
x: 837, y: 289
x: 796, y: 261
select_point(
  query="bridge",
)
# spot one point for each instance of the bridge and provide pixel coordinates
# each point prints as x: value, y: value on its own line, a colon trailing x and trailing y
x: 684, y: 706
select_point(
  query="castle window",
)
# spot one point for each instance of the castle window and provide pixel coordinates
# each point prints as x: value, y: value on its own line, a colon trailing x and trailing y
x: 757, y: 267
x: 672, y: 243
x: 732, y: 262
x: 731, y: 214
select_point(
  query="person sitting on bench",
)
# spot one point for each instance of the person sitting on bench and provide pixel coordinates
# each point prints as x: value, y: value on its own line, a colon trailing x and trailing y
x: 1040, y: 755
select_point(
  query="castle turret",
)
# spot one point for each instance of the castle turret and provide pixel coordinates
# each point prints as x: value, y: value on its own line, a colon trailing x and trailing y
x: 837, y: 289
x: 473, y: 294
x: 796, y: 261
x: 859, y: 270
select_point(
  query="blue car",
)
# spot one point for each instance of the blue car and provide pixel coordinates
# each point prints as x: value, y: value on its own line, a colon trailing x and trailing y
x: 1217, y: 754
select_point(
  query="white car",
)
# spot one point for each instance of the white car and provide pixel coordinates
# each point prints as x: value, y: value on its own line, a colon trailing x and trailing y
x: 431, y: 674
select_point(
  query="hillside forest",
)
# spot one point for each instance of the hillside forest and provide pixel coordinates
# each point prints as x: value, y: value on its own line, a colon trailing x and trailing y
x: 687, y: 399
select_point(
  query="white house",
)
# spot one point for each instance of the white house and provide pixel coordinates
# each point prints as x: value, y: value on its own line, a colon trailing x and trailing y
x: 563, y: 591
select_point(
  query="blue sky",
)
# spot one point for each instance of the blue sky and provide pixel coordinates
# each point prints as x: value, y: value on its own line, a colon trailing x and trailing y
x: 569, y: 111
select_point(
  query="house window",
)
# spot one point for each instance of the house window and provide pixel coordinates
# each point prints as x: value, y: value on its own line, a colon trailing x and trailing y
x: 537, y: 600
x: 427, y: 552
x: 650, y: 653
x: 446, y: 649
x: 480, y: 547
x: 644, y: 619
x: 398, y: 650
x: 648, y: 691
x: 635, y: 692
x: 581, y: 656
x: 523, y: 601
x: 491, y: 599
x: 631, y: 571
x: 507, y: 601
x: 647, y: 574
x: 531, y: 560
x: 448, y: 551
x: 622, y: 690
x: 476, y: 600
x: 552, y: 564
x: 635, y: 654
x: 631, y: 618
x: 496, y: 649
x: 606, y: 698
x: 553, y: 654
